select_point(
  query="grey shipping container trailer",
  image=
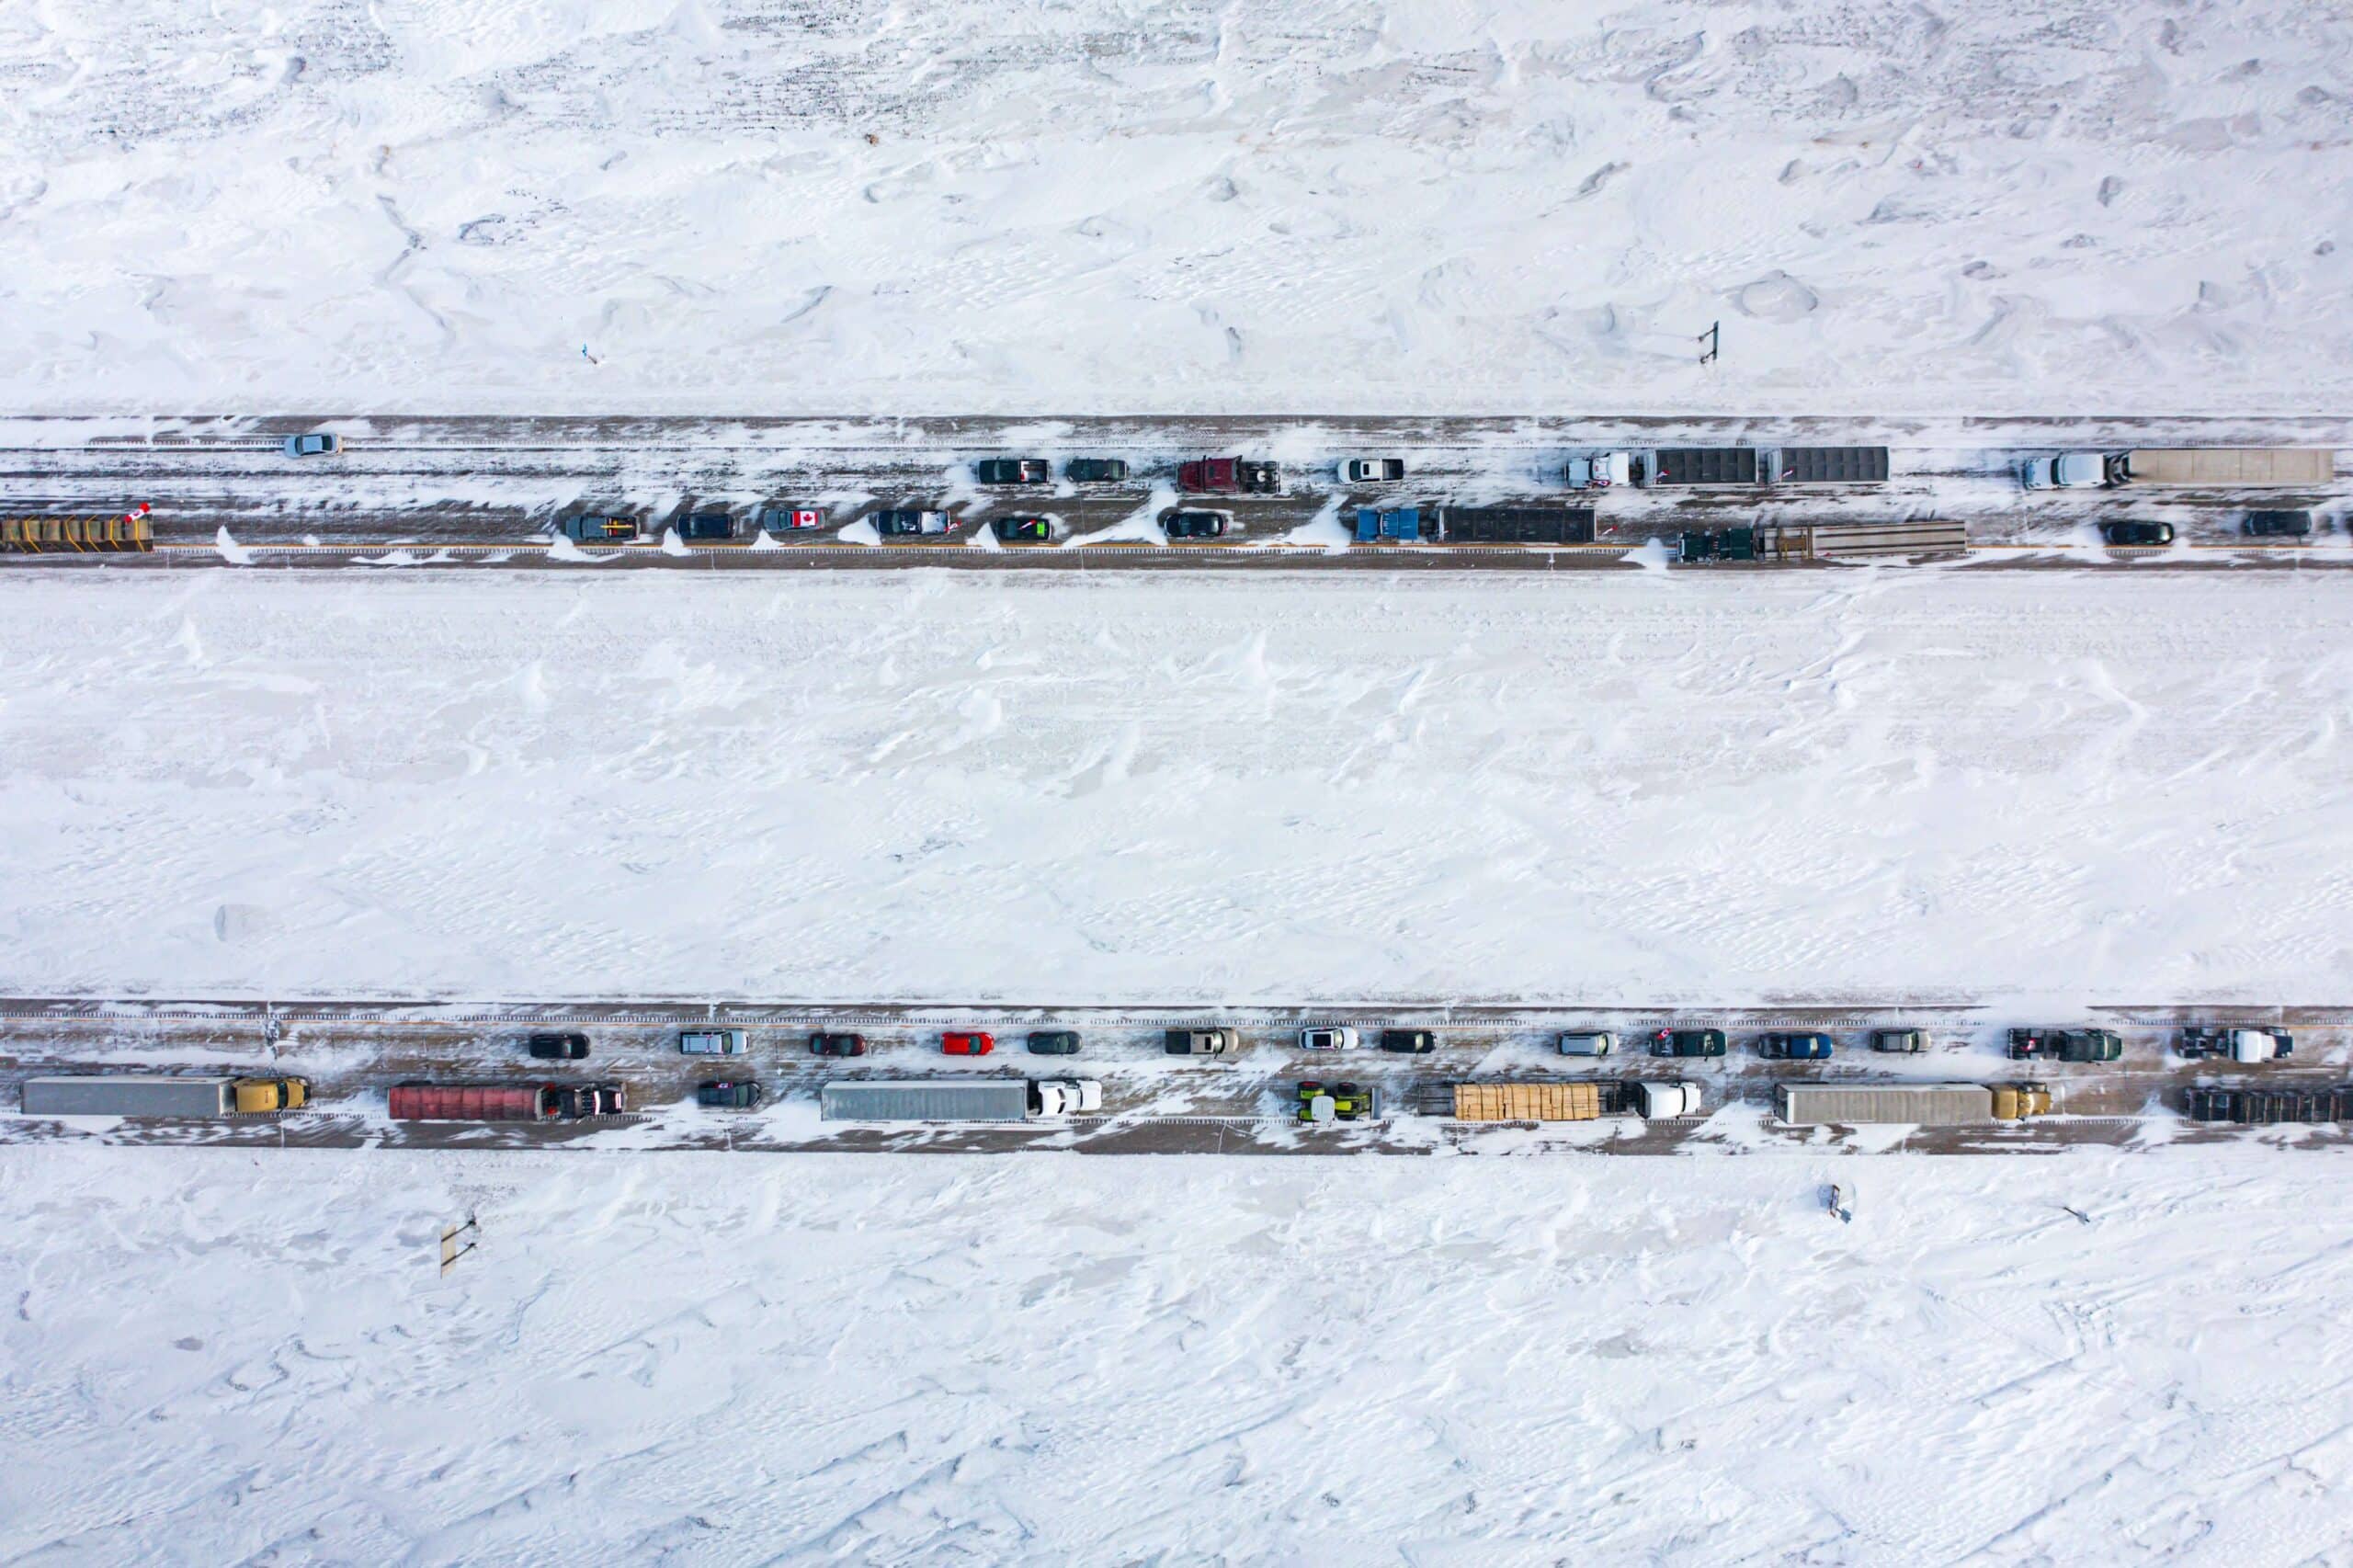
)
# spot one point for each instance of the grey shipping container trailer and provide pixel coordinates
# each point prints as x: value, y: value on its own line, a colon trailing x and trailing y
x: 1703, y: 465
x: 928, y: 1099
x: 1859, y: 1104
x: 126, y: 1096
x: 1830, y: 465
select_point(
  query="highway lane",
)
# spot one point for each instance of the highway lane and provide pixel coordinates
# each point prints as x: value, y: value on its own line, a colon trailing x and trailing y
x: 499, y: 482
x: 1154, y: 1103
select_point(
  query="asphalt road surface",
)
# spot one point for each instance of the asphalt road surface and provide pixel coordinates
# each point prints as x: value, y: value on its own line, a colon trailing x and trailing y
x: 1154, y: 1103
x: 485, y: 490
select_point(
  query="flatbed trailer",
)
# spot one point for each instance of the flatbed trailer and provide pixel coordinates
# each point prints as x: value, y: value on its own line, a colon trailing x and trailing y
x: 2268, y: 1107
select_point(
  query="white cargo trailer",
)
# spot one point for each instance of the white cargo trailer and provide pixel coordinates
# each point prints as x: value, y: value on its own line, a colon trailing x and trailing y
x: 958, y: 1099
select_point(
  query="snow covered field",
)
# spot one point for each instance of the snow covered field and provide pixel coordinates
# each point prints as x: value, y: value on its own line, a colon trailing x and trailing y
x: 2045, y: 790
x: 899, y: 1359
x: 1134, y: 206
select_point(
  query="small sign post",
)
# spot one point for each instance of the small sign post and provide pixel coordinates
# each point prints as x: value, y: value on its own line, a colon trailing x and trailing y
x: 457, y: 1241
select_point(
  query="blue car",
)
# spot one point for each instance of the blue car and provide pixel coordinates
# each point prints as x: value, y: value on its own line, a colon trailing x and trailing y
x: 317, y: 444
x: 1779, y: 1047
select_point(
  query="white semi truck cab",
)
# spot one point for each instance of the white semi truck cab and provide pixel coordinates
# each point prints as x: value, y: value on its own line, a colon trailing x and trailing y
x: 2238, y: 1044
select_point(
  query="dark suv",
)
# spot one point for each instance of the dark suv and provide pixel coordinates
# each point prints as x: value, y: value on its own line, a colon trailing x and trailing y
x: 2293, y: 525
x: 1013, y: 471
x: 1421, y: 1042
x: 1055, y: 1042
x: 1807, y: 1047
x: 2137, y: 533
x: 1687, y: 1042
x: 837, y: 1044
x: 557, y: 1047
x: 728, y: 1096
x: 706, y: 525
x: 1023, y: 528
x: 1096, y: 470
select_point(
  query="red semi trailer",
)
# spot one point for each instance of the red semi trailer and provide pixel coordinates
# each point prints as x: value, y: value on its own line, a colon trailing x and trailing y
x: 504, y: 1102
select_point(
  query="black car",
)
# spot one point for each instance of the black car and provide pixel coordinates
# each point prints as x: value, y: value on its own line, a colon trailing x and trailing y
x: 729, y: 1097
x: 557, y: 1047
x: 2137, y: 533
x: 1013, y: 471
x: 909, y: 520
x: 2293, y: 525
x: 1421, y: 1042
x: 1055, y: 1042
x: 837, y: 1044
x: 1023, y: 528
x: 597, y: 527
x: 706, y: 525
x: 1196, y: 525
x: 1096, y: 470
x: 1687, y: 1042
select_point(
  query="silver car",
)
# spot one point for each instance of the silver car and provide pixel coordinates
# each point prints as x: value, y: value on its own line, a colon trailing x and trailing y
x: 1588, y: 1042
x: 711, y: 1042
x: 317, y: 444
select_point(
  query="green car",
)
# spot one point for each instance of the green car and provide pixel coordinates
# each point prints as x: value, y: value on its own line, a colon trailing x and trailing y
x: 1337, y: 1102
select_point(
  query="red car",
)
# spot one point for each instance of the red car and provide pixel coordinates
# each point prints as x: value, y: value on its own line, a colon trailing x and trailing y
x: 966, y: 1044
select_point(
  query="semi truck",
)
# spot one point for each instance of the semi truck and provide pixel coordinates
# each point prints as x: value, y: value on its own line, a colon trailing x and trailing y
x: 1227, y: 476
x: 1824, y: 541
x: 1586, y: 1101
x: 2066, y: 1045
x: 959, y: 1099
x: 125, y: 1094
x: 1375, y: 523
x: 506, y: 1102
x: 2237, y: 1044
x: 2238, y: 467
x: 2265, y: 1107
x: 1907, y: 1104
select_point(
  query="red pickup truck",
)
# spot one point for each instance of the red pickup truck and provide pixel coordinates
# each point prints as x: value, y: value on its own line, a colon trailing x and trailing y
x: 504, y: 1102
x: 1227, y: 476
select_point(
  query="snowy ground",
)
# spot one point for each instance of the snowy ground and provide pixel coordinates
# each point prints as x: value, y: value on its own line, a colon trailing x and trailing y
x: 1633, y: 789
x: 1116, y: 206
x: 1046, y: 1360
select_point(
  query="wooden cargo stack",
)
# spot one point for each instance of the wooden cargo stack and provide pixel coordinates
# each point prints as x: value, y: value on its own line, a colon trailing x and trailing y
x: 1526, y: 1102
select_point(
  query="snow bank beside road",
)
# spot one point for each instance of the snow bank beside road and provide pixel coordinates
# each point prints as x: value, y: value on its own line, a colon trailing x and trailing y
x: 1073, y: 1360
x: 1291, y: 207
x: 1120, y: 788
